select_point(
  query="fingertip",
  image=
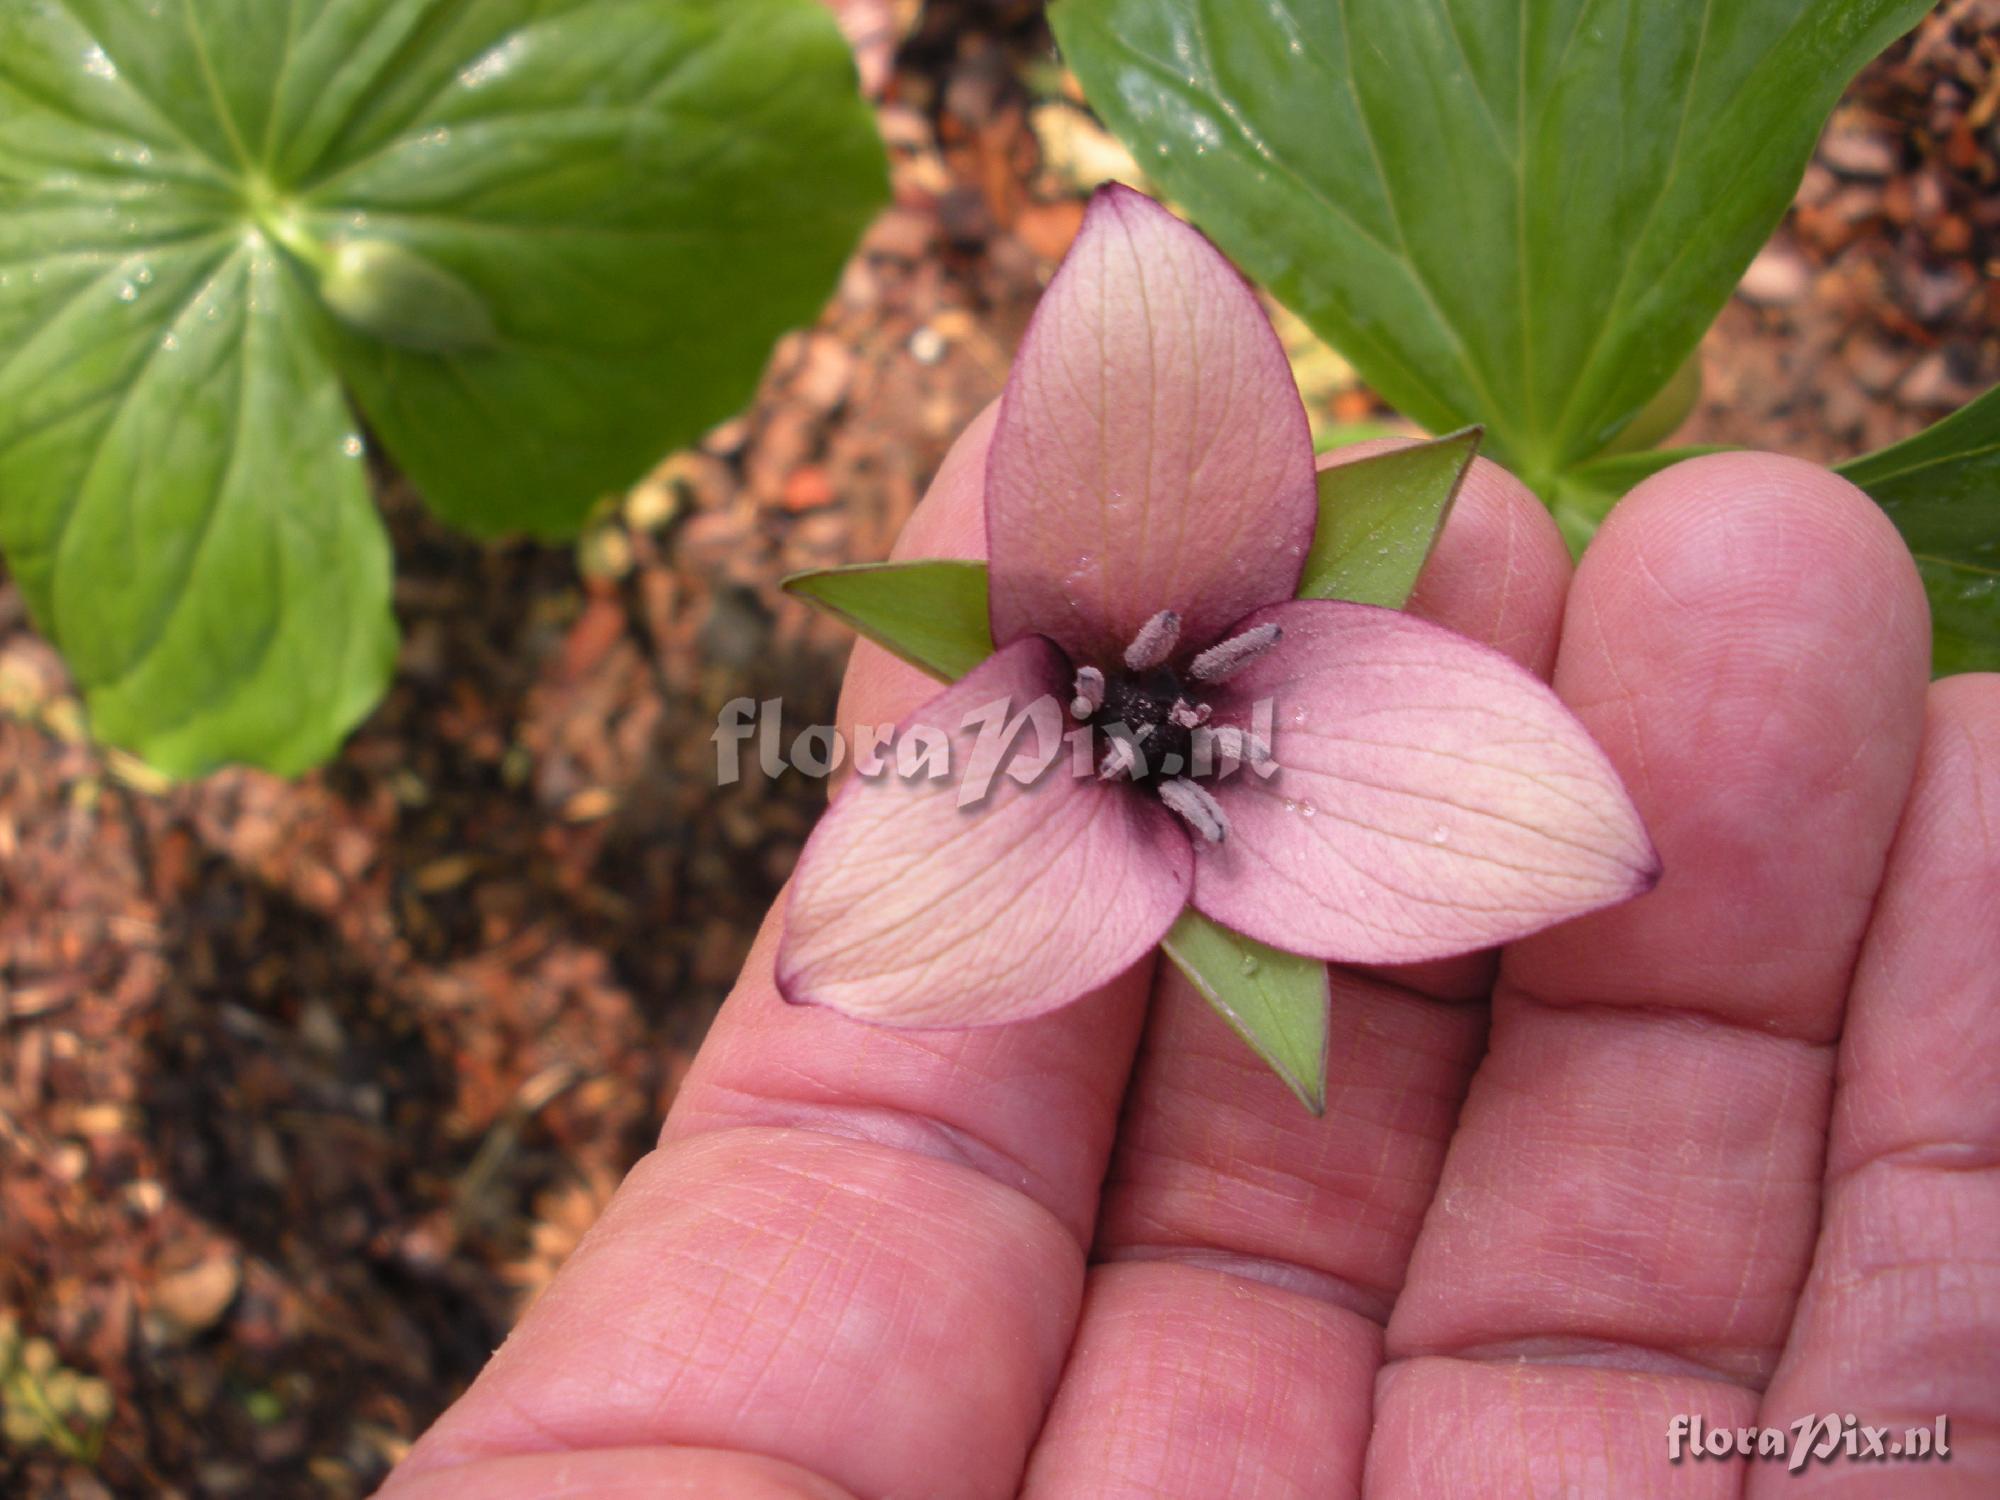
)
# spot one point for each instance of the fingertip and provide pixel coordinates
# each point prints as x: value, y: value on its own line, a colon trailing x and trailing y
x: 950, y: 520
x: 1500, y: 570
x: 1970, y: 703
x: 1748, y: 639
x: 1735, y: 528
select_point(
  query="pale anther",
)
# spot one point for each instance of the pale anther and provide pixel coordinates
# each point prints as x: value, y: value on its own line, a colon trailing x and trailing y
x: 1089, y: 691
x: 1218, y: 661
x: 1197, y: 809
x: 1187, y: 715
x: 1155, y: 641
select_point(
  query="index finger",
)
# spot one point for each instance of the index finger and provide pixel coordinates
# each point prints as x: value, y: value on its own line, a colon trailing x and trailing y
x: 847, y: 1233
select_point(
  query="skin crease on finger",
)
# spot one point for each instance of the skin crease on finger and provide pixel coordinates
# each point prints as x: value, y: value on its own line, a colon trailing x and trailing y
x: 860, y: 1254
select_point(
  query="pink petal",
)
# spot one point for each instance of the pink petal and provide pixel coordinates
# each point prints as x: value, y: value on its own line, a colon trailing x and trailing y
x: 911, y: 910
x: 1435, y: 798
x: 1152, y: 452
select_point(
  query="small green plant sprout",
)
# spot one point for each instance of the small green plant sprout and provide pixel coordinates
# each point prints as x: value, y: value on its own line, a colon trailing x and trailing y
x: 43, y: 1403
x: 520, y: 248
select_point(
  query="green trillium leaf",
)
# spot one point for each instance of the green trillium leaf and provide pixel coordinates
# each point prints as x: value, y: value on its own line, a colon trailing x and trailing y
x: 538, y: 242
x: 1521, y: 214
x: 184, y: 506
x: 642, y: 193
x: 1277, y: 1002
x: 1380, y: 516
x: 1942, y: 489
x: 931, y: 613
x: 1662, y: 416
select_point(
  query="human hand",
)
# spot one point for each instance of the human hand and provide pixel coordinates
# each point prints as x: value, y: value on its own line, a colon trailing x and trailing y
x: 1726, y: 1151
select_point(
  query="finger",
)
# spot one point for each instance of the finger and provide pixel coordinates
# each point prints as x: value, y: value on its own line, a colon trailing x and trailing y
x: 859, y: 1251
x: 1231, y: 1336
x: 1630, y: 1198
x: 1900, y: 1319
x: 622, y: 1474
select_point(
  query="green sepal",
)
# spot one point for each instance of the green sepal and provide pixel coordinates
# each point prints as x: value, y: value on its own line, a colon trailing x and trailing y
x: 1379, y: 518
x: 931, y: 613
x: 1275, y: 1001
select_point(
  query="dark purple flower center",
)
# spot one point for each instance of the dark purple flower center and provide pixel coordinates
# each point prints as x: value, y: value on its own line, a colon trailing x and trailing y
x: 1142, y: 704
x: 1147, y: 729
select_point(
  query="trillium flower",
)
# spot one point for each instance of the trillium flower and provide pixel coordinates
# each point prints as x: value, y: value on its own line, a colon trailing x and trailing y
x: 1336, y: 780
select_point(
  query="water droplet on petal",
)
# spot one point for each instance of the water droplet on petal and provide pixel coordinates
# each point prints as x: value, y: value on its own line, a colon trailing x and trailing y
x: 351, y: 446
x: 1249, y: 964
x: 1440, y: 834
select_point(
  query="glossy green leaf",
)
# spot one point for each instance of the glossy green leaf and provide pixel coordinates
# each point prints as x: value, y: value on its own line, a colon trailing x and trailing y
x: 643, y: 193
x: 1277, y: 1002
x: 1583, y: 497
x: 1380, y: 516
x: 1662, y: 416
x: 183, y: 505
x: 556, y: 239
x: 931, y: 613
x: 1942, y: 489
x: 1520, y: 214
